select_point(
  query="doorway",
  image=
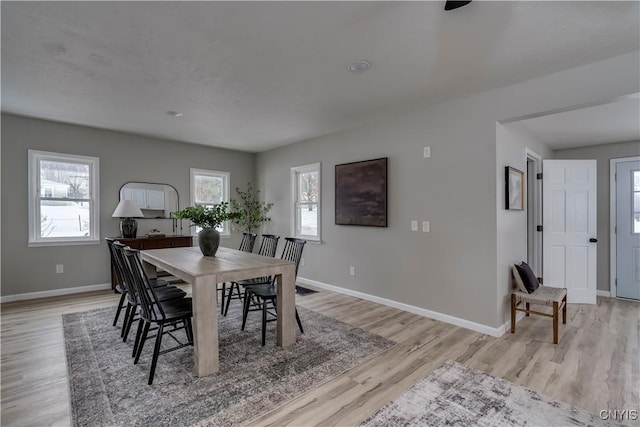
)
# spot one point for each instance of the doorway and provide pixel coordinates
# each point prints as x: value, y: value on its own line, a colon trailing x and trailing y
x: 534, y: 211
x: 625, y: 227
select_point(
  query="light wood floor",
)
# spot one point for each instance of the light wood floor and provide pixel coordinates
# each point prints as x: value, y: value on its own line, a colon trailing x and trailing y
x: 595, y: 366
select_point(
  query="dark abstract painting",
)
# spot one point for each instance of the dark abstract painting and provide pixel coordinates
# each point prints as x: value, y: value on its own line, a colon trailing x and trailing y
x: 361, y: 193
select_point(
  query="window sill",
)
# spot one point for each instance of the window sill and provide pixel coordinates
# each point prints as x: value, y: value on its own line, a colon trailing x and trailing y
x: 63, y: 243
x: 315, y: 242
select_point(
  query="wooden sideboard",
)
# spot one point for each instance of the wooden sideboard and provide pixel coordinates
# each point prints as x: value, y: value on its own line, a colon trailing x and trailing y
x: 143, y: 243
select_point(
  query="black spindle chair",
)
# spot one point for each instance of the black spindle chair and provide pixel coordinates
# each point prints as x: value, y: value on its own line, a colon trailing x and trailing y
x: 246, y: 245
x: 121, y: 287
x: 268, y: 248
x: 165, y: 293
x: 175, y: 313
x: 267, y: 293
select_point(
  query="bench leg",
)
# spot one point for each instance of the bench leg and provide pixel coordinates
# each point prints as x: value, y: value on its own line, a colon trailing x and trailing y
x: 513, y: 313
x: 555, y: 322
x: 564, y: 310
x: 527, y: 307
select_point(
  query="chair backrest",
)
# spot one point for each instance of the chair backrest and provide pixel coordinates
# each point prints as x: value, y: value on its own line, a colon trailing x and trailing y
x: 292, y: 250
x: 110, y: 241
x: 117, y: 260
x: 248, y: 240
x: 268, y: 245
x: 147, y: 298
x: 118, y: 279
x: 122, y: 269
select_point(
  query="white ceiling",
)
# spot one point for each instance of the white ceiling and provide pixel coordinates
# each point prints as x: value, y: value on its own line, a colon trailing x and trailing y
x: 256, y: 75
x: 600, y: 124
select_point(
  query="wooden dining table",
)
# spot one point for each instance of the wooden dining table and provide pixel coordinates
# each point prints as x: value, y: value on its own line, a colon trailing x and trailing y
x: 204, y: 273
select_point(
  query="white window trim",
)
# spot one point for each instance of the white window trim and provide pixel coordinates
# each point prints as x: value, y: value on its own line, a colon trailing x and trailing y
x: 34, y: 157
x: 226, y: 177
x: 312, y: 167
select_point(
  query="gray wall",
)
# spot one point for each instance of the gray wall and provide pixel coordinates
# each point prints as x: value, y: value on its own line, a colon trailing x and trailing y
x: 602, y: 153
x: 511, y: 142
x: 123, y: 157
x: 453, y: 269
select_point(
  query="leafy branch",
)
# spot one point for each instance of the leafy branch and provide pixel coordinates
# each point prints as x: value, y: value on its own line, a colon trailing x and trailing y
x: 206, y: 216
x: 250, y: 210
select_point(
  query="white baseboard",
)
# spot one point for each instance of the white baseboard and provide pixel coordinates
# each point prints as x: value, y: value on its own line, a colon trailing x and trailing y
x: 478, y: 327
x: 55, y: 292
x: 603, y: 293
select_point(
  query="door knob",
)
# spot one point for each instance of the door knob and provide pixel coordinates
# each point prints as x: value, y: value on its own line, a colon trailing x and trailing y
x: 592, y: 240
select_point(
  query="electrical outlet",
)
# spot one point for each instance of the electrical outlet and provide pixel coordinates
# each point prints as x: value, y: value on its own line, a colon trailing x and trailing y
x: 59, y: 268
x: 427, y: 152
x: 352, y: 271
x: 414, y: 225
x: 425, y: 226
x: 301, y: 261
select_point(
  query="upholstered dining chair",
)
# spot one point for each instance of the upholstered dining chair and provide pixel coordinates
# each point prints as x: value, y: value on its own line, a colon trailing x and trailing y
x: 530, y: 291
x: 267, y: 292
x: 246, y: 245
x: 168, y: 316
x: 268, y: 248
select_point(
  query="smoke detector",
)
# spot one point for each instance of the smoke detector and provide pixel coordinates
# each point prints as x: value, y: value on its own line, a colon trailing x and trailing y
x: 359, y: 66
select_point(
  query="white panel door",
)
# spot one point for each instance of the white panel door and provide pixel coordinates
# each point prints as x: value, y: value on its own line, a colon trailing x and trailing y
x: 569, y: 228
x: 628, y: 229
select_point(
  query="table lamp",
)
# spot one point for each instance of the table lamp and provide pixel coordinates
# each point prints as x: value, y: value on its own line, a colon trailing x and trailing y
x: 126, y: 211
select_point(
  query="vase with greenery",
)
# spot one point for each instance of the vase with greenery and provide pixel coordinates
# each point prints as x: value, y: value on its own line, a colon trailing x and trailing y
x: 250, y: 211
x: 209, y: 219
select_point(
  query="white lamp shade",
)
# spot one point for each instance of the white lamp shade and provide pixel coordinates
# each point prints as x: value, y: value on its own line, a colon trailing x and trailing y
x: 127, y: 209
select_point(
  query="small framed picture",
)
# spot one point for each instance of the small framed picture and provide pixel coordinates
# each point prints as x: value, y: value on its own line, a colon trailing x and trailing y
x: 514, y: 189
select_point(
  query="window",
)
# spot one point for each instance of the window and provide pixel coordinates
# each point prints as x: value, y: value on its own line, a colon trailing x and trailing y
x: 305, y: 193
x: 63, y: 199
x: 636, y: 202
x: 210, y: 188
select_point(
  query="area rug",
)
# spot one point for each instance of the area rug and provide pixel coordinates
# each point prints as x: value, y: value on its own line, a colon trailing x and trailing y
x: 108, y: 389
x: 301, y: 290
x: 455, y: 395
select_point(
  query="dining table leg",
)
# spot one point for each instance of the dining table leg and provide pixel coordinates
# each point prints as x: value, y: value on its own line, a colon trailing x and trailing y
x: 286, y: 303
x: 205, y: 326
x: 150, y: 270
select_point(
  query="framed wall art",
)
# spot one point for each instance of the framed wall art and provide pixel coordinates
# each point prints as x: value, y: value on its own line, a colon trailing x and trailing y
x: 361, y: 193
x: 514, y: 189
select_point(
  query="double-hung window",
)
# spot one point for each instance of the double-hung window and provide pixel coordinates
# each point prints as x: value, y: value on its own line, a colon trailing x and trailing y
x: 63, y: 199
x: 210, y: 188
x: 305, y: 193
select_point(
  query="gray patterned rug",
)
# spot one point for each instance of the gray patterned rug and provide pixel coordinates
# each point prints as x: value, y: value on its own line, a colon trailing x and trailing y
x: 455, y: 395
x: 108, y: 389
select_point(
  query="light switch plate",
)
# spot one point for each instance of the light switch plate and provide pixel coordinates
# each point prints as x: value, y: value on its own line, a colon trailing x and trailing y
x: 427, y: 152
x: 352, y: 271
x: 425, y: 226
x: 414, y: 225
